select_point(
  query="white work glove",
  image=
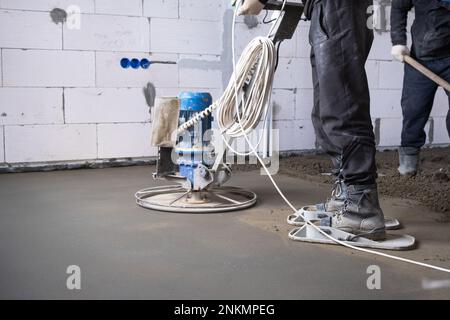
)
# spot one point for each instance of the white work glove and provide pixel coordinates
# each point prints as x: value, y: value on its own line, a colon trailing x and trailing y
x: 399, y: 52
x: 251, y: 7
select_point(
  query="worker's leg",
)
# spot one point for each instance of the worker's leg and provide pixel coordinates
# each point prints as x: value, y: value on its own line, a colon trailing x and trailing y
x: 321, y: 136
x: 338, y: 192
x: 417, y: 102
x: 341, y: 42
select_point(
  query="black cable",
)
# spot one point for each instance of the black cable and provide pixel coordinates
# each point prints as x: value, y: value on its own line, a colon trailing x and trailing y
x: 265, y: 17
x: 309, y: 6
x: 278, y: 54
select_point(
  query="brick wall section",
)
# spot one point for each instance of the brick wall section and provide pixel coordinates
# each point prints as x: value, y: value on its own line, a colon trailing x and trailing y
x: 64, y: 96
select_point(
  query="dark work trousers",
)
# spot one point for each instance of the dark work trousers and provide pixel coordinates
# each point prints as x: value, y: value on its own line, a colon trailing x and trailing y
x: 417, y: 102
x: 341, y: 42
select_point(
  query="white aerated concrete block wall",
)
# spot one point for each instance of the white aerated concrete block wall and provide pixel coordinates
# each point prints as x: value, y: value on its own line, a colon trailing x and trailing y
x: 2, y: 146
x: 38, y: 143
x: 65, y: 97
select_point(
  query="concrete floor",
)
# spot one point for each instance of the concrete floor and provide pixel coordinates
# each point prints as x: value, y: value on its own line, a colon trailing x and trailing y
x: 88, y: 218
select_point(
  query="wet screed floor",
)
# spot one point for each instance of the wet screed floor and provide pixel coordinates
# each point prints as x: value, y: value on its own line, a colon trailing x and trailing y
x: 88, y: 218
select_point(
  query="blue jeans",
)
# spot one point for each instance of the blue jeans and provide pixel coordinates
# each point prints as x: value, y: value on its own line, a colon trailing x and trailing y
x: 417, y: 102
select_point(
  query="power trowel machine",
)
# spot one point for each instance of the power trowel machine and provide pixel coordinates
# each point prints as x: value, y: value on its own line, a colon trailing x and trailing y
x: 197, y: 168
x: 192, y: 162
x: 190, y: 159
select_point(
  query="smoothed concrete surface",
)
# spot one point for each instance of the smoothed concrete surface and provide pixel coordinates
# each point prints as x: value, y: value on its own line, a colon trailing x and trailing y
x: 88, y: 218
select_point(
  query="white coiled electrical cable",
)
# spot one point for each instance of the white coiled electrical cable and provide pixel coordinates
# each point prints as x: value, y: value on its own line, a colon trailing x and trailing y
x: 254, y: 72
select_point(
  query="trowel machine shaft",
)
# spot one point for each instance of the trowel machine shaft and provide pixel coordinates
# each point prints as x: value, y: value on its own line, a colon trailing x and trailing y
x: 287, y: 25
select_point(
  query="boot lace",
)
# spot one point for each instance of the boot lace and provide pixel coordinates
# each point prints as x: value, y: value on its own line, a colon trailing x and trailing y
x: 360, y: 195
x: 336, y: 191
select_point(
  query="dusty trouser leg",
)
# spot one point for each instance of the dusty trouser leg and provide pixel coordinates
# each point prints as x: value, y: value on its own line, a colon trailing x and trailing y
x: 341, y: 43
x: 322, y: 138
x: 336, y: 201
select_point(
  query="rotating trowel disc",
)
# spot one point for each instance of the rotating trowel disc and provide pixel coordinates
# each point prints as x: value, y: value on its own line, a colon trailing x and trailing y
x: 179, y: 199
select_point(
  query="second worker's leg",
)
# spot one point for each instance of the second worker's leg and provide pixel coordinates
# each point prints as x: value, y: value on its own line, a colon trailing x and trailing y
x: 417, y: 102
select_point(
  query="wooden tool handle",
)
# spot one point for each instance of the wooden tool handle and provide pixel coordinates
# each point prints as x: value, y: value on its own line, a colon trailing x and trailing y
x: 427, y: 72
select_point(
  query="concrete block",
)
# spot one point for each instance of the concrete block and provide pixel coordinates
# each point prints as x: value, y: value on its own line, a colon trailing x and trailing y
x: 288, y: 48
x: 119, y: 7
x: 50, y: 143
x: 386, y: 103
x: 31, y: 106
x: 203, y: 10
x: 304, y: 103
x: 390, y: 132
x: 293, y: 73
x: 307, y: 136
x: 429, y: 130
x: 296, y: 135
x: 173, y: 92
x: 441, y: 104
x: 109, y: 33
x: 86, y: 6
x: 185, y: 36
x: 42, y: 68
x: 105, y: 105
x: 372, y: 70
x: 125, y: 140
x: 200, y: 71
x: 391, y: 75
x: 381, y: 48
x: 283, y: 104
x: 1, y: 67
x: 161, y: 8
x: 20, y: 30
x: 440, y: 132
x: 303, y: 46
x: 2, y: 145
x: 111, y: 74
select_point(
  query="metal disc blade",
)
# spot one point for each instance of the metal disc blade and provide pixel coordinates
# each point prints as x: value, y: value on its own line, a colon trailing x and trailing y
x: 178, y: 199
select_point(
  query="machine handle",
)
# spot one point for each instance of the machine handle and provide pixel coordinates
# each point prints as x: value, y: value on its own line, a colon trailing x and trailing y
x: 277, y: 5
x: 427, y: 72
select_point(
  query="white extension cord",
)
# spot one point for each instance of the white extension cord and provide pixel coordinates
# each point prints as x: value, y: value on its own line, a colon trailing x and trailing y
x: 256, y: 69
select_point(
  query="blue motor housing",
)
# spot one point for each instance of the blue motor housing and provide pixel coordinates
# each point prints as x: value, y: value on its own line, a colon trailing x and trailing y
x: 193, y: 146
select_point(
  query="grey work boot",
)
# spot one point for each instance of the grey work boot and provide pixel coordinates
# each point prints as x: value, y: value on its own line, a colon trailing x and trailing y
x: 361, y: 214
x: 409, y: 161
